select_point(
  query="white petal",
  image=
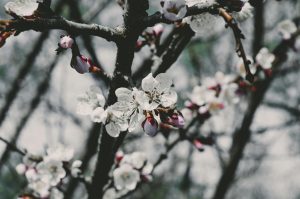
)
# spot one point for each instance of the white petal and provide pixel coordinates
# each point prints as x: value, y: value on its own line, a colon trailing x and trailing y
x: 97, y: 115
x: 149, y: 83
x: 112, y: 129
x: 22, y: 8
x: 168, y: 99
x: 123, y: 94
x: 135, y: 121
x: 164, y: 82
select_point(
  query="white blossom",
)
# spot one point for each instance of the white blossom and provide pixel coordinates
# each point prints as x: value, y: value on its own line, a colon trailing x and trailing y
x: 241, y: 67
x: 126, y: 177
x: 174, y: 10
x: 286, y: 28
x: 132, y: 108
x: 110, y: 194
x: 136, y: 159
x: 21, y: 8
x: 228, y: 93
x: 157, y: 91
x: 88, y: 102
x: 116, y: 122
x: 187, y: 114
x: 21, y: 169
x: 245, y: 13
x: 75, y: 168
x: 201, y: 95
x: 51, y: 171
x: 264, y: 58
x: 202, y: 23
x: 56, y: 194
x: 40, y: 187
x: 59, y: 153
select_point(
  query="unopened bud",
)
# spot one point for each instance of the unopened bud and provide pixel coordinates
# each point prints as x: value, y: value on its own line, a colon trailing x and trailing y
x: 158, y: 30
x: 66, y: 42
x: 119, y: 156
x: 150, y: 126
x: 81, y: 64
x: 177, y: 120
x: 198, y: 145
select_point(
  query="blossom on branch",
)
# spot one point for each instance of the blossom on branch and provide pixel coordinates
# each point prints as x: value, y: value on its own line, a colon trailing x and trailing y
x: 286, y: 28
x: 131, y: 170
x: 45, y: 174
x: 134, y: 107
x: 174, y: 10
x: 21, y: 8
x: 265, y: 58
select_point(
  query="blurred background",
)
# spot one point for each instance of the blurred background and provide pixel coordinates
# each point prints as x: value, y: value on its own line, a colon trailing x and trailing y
x: 39, y: 90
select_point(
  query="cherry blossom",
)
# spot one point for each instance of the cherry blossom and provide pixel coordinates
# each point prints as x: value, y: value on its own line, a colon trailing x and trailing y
x: 264, y: 58
x: 89, y: 101
x: 51, y: 171
x: 126, y: 177
x: 75, y: 168
x: 133, y: 110
x: 136, y: 159
x: 21, y: 8
x: 286, y: 28
x: 59, y: 153
x: 157, y: 91
x: 174, y: 10
x: 202, y: 23
x: 241, y: 67
x: 21, y: 169
x: 245, y: 13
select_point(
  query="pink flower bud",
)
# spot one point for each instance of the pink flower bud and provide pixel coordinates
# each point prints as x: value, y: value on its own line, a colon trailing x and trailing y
x: 177, y: 120
x: 198, y: 145
x: 150, y: 126
x: 139, y: 44
x: 158, y: 30
x: 119, y: 156
x: 81, y: 64
x: 66, y: 42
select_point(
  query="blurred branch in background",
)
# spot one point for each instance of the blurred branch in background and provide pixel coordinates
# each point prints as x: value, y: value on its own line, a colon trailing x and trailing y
x: 242, y: 136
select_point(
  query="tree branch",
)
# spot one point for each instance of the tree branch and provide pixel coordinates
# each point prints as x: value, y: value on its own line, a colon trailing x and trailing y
x: 60, y: 23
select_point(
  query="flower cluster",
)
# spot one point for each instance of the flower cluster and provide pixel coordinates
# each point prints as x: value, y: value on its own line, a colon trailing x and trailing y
x: 45, y: 174
x: 130, y: 169
x: 212, y: 96
x: 154, y: 102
